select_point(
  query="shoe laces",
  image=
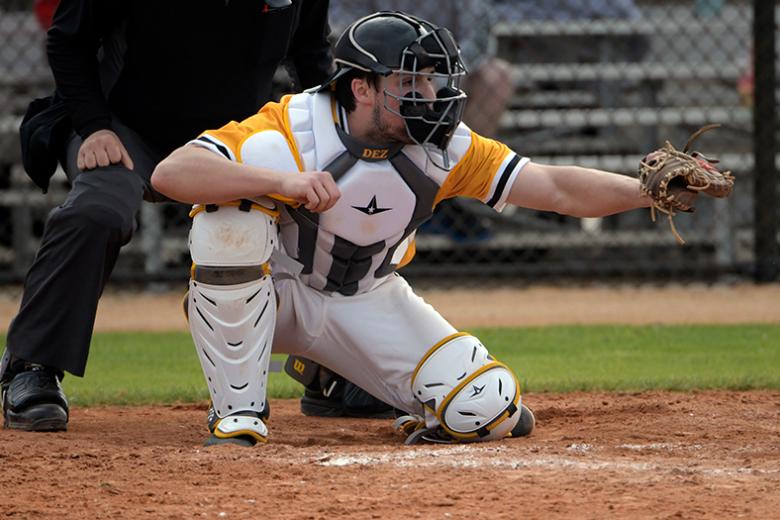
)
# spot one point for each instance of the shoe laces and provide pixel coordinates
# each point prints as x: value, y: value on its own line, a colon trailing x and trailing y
x: 37, y: 367
x: 17, y: 366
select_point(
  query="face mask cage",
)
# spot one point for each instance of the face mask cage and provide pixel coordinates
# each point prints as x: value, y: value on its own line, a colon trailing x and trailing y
x: 431, y: 121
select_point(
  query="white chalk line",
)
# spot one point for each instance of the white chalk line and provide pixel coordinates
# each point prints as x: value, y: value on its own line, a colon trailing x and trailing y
x: 464, y: 456
x: 660, y: 446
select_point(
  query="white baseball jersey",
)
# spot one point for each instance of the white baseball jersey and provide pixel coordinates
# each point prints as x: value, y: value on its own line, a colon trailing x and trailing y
x: 386, y: 193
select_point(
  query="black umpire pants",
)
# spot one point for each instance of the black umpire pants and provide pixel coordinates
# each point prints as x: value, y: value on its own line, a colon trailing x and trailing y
x: 78, y: 251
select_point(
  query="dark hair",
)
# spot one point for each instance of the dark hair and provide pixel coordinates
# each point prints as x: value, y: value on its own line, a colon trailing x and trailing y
x: 344, y: 86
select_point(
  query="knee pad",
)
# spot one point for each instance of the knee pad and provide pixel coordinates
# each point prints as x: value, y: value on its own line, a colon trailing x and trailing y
x: 233, y: 234
x: 232, y: 304
x: 471, y: 395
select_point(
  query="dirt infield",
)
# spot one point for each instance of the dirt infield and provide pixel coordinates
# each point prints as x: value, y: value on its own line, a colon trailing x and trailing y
x: 648, y: 455
x: 593, y: 455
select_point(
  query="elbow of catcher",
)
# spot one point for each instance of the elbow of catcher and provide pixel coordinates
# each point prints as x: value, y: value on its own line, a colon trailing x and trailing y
x: 164, y: 180
x: 160, y: 179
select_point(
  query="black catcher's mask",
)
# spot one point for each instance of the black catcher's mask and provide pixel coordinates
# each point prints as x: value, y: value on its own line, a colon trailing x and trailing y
x: 388, y: 42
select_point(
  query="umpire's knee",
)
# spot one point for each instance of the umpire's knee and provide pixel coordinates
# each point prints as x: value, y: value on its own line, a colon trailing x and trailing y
x: 94, y: 219
x: 104, y: 202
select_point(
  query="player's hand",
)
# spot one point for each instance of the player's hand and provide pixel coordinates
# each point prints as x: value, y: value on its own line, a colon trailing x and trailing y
x: 317, y: 191
x: 102, y: 149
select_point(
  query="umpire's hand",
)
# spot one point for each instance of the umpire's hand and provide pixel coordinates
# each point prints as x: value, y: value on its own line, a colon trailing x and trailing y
x: 102, y: 149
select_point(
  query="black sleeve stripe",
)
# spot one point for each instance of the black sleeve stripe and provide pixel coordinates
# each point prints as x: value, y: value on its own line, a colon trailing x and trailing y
x: 221, y: 148
x: 503, y: 180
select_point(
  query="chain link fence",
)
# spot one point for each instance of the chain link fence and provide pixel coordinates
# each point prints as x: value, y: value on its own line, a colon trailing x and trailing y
x: 597, y: 83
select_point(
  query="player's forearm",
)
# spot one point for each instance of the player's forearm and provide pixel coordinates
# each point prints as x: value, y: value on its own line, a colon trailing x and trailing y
x: 194, y: 175
x: 575, y: 191
x: 589, y: 192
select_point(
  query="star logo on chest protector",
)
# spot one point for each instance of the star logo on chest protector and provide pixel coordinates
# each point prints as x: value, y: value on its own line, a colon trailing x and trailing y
x: 371, y: 209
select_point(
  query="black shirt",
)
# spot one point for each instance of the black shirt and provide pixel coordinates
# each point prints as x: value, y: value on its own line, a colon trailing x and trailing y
x: 186, y: 65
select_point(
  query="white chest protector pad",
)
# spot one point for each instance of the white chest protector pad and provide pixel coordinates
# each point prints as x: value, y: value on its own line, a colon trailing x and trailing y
x: 386, y: 193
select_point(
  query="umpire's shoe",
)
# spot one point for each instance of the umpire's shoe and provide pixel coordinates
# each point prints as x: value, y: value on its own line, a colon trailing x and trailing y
x: 33, y: 399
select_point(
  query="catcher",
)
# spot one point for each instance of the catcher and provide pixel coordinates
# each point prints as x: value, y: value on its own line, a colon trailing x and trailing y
x: 304, y: 212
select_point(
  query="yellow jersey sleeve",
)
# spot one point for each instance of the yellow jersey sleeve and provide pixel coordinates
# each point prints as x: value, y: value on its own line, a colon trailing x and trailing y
x: 229, y: 140
x: 486, y: 172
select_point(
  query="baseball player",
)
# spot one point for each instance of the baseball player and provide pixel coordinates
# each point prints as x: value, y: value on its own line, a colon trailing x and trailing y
x: 304, y: 212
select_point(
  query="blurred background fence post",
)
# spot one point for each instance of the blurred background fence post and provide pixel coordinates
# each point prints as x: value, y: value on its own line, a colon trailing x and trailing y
x: 765, y: 131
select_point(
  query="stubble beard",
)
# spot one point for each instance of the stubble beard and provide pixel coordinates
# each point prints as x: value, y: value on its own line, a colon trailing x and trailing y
x: 382, y: 133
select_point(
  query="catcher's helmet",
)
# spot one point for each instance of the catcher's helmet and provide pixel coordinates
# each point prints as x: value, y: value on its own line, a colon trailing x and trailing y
x: 387, y: 42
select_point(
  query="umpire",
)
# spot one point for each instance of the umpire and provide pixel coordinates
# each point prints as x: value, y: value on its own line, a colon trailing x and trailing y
x: 137, y: 79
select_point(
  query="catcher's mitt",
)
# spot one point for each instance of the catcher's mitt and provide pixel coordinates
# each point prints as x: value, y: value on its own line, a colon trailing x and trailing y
x: 672, y: 178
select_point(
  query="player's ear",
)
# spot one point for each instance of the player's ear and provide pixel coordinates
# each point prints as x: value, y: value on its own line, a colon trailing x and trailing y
x: 363, y: 91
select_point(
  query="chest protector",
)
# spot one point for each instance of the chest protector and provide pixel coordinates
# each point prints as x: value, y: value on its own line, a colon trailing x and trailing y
x: 386, y: 194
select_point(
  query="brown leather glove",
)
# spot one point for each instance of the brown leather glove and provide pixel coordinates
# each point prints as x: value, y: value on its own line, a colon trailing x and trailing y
x: 673, y: 178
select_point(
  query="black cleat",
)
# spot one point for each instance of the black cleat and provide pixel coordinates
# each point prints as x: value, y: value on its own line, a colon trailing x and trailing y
x: 315, y: 404
x: 525, y: 425
x: 327, y: 394
x: 346, y: 400
x: 33, y: 400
